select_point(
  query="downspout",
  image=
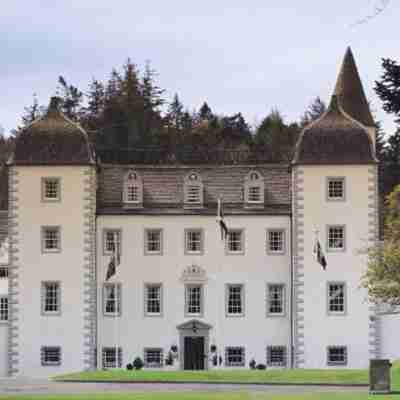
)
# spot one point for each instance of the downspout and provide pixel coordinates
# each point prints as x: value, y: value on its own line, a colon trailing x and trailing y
x: 291, y: 316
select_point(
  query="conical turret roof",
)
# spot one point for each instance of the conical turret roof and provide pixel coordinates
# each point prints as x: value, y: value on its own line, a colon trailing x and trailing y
x: 350, y: 92
x: 53, y: 140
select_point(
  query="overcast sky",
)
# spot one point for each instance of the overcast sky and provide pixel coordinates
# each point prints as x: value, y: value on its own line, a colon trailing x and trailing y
x: 247, y: 56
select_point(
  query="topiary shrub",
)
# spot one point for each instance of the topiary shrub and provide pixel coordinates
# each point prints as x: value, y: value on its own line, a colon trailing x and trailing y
x: 169, y: 360
x: 129, y: 367
x: 261, y: 366
x: 138, y: 363
x: 252, y: 364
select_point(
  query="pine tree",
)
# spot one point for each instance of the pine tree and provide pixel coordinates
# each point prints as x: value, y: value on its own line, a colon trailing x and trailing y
x: 71, y: 99
x: 313, y: 112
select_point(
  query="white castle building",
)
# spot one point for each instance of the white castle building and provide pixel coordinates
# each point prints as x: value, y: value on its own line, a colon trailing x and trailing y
x: 180, y: 293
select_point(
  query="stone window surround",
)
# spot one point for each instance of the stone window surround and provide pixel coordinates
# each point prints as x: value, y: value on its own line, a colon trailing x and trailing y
x: 270, y: 362
x: 243, y: 300
x: 187, y: 313
x: 138, y: 182
x: 157, y: 349
x: 5, y: 297
x: 202, y: 241
x: 242, y: 239
x: 243, y: 354
x: 268, y: 247
x: 268, y: 288
x: 43, y: 350
x: 336, y: 313
x: 104, y: 233
x: 153, y: 253
x: 336, y: 250
x: 146, y: 286
x: 337, y: 363
x: 196, y: 183
x: 336, y: 178
x: 43, y: 189
x: 42, y: 239
x: 248, y: 183
x: 118, y: 313
x: 117, y: 358
x: 43, y: 298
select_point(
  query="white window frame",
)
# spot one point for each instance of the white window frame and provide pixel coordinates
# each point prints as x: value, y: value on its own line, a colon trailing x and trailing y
x: 132, y: 179
x: 254, y: 179
x: 188, y: 287
x: 331, y: 363
x: 193, y: 182
x: 117, y: 300
x: 335, y: 249
x: 241, y: 363
x: 273, y: 363
x: 57, y: 302
x: 188, y: 232
x: 242, y: 242
x: 148, y: 286
x: 43, y: 356
x: 228, y: 288
x: 150, y: 364
x: 4, y: 309
x: 117, y: 234
x: 269, y: 238
x: 51, y: 179
x: 106, y: 351
x: 147, y: 232
x: 333, y: 179
x: 44, y: 230
x: 328, y: 298
x: 270, y: 287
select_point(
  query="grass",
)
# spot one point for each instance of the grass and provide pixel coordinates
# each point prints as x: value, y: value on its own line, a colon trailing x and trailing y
x: 333, y: 376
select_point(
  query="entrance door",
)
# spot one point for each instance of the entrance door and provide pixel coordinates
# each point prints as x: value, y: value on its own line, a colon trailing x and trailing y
x: 194, y: 352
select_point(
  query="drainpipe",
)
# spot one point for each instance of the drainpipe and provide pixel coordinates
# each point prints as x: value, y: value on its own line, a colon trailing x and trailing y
x: 291, y: 315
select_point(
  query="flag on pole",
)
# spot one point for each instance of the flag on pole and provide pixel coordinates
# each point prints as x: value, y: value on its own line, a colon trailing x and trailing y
x: 114, y: 260
x: 320, y: 255
x: 220, y: 220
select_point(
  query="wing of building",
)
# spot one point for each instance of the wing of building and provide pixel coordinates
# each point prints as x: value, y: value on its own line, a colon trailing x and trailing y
x: 182, y: 296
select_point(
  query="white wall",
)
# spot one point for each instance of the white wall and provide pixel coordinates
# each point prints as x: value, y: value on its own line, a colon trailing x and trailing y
x: 3, y: 350
x: 390, y: 328
x: 33, y: 267
x: 317, y: 329
x: 254, y: 269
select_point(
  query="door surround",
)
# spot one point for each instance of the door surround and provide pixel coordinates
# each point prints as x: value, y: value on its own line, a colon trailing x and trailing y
x: 193, y: 328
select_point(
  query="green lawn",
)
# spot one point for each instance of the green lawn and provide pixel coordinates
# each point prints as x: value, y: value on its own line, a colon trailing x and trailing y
x: 333, y: 376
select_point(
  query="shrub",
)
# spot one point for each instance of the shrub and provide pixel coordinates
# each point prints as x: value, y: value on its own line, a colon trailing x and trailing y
x: 214, y: 360
x: 169, y: 360
x: 138, y: 363
x: 261, y: 366
x: 174, y: 348
x: 213, y: 348
x: 252, y: 364
x: 129, y: 367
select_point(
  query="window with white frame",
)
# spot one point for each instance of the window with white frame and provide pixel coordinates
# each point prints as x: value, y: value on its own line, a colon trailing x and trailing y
x: 276, y: 356
x: 235, y: 300
x: 3, y: 309
x: 112, y: 299
x: 111, y: 240
x: 194, y: 299
x: 3, y: 272
x: 193, y: 190
x: 153, y: 357
x: 133, y: 189
x: 51, y: 298
x: 235, y: 242
x: 336, y: 298
x: 336, y: 189
x: 153, y: 299
x: 337, y: 355
x: 50, y: 355
x: 275, y: 241
x: 193, y: 241
x: 109, y: 358
x: 235, y: 357
x: 275, y: 299
x: 336, y: 238
x: 153, y: 241
x: 51, y: 189
x: 254, y: 188
x: 51, y: 240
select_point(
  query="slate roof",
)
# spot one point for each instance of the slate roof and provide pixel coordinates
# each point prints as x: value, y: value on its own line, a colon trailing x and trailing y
x: 334, y: 139
x: 350, y: 92
x: 52, y: 140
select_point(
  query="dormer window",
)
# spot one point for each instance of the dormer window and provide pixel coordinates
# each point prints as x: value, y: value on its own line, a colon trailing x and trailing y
x: 193, y: 190
x: 133, y: 189
x: 254, y: 189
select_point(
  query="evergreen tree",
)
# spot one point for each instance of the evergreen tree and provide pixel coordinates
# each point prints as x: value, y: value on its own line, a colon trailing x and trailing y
x: 313, y: 112
x: 175, y: 113
x: 71, y: 99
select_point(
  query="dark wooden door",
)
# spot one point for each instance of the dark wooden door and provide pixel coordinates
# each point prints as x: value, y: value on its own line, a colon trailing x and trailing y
x: 194, y: 353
